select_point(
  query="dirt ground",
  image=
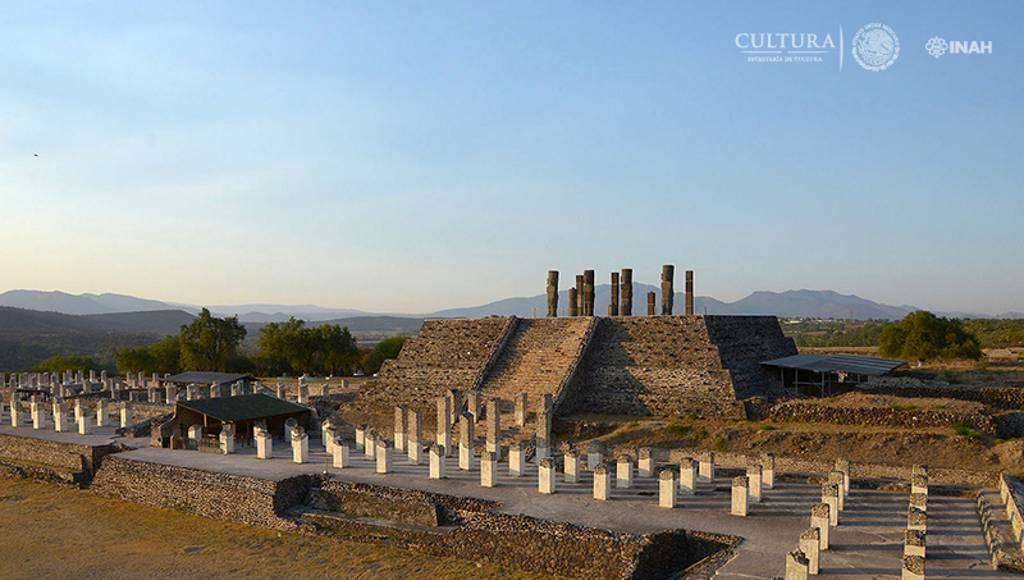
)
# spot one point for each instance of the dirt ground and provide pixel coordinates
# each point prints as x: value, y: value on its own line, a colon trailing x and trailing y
x: 60, y: 532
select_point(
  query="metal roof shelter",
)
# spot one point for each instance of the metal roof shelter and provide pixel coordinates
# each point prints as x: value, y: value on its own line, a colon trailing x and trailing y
x: 207, y: 378
x: 823, y: 371
x: 243, y: 407
x: 244, y: 411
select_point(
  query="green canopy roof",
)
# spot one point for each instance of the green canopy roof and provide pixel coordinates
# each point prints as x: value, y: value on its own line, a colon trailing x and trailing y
x: 243, y: 407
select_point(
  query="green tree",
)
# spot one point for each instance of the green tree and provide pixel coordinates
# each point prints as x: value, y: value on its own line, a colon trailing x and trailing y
x: 211, y: 344
x: 293, y: 347
x: 68, y: 362
x: 385, y: 349
x: 161, y: 357
x: 923, y: 336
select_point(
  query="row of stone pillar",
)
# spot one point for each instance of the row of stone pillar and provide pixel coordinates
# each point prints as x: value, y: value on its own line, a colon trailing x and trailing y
x: 58, y: 415
x: 581, y: 297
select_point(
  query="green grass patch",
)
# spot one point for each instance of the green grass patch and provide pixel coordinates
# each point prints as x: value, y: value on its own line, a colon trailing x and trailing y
x: 965, y: 430
x: 721, y: 444
x: 766, y: 427
x: 679, y: 429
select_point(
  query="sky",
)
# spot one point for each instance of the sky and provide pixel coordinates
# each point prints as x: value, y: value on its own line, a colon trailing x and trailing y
x: 413, y: 156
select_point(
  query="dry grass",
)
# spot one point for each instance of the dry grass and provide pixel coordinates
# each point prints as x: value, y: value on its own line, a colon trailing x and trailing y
x: 60, y: 532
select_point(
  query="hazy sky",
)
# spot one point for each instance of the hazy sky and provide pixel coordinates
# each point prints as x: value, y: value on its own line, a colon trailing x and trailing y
x: 402, y: 156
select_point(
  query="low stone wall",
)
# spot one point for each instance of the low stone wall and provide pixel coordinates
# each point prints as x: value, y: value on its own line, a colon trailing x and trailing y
x: 215, y: 495
x: 997, y: 397
x: 51, y: 460
x: 1011, y: 494
x: 812, y: 411
x: 1003, y: 544
x: 470, y: 528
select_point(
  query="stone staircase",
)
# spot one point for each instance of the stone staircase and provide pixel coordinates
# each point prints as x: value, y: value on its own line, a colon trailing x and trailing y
x: 539, y: 358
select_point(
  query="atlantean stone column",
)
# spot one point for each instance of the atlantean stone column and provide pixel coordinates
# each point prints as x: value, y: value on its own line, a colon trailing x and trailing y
x: 613, y: 307
x: 588, y: 286
x: 626, y: 309
x: 574, y: 303
x: 552, y: 293
x: 689, y: 292
x: 651, y: 301
x: 581, y: 295
x: 668, y: 273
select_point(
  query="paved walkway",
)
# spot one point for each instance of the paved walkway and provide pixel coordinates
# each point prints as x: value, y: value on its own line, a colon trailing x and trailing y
x: 867, y: 544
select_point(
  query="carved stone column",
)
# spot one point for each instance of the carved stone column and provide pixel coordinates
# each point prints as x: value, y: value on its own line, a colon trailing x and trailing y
x: 689, y: 292
x: 613, y: 308
x: 552, y: 293
x: 651, y: 301
x: 668, y: 272
x: 588, y: 285
x: 580, y: 294
x: 627, y: 292
x: 573, y: 304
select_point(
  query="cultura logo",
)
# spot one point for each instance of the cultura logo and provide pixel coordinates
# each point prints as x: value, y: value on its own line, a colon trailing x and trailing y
x: 875, y: 47
x: 936, y: 46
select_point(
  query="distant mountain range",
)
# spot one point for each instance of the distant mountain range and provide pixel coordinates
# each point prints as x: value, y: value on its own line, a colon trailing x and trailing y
x: 791, y: 303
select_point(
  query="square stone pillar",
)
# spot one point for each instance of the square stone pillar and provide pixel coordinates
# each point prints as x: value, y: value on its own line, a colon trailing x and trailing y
x: 383, y: 457
x: 400, y: 427
x: 339, y: 454
x: 830, y: 495
x: 919, y: 501
x: 492, y: 422
x: 707, y: 466
x: 919, y: 469
x: 264, y: 445
x: 326, y: 434
x: 914, y: 543
x: 227, y: 441
x: 83, y: 425
x: 602, y: 482
x: 37, y: 414
x: 125, y: 413
x: 843, y: 466
x: 101, y: 413
x: 667, y: 489
x: 443, y: 436
x: 821, y: 518
x: 280, y: 392
x: 488, y: 469
x: 687, y: 477
x: 739, y: 496
x: 913, y: 568
x: 15, y: 412
x: 58, y: 418
x: 300, y: 446
x: 437, y: 456
x: 624, y: 472
x: 797, y: 566
x: 466, y: 439
x: 837, y: 478
x: 473, y: 405
x: 810, y: 545
x: 413, y: 446
x: 360, y: 437
x: 919, y: 484
x: 768, y: 471
x: 546, y: 476
x: 543, y: 437
x: 645, y: 462
x: 370, y: 443
x: 516, y: 461
x: 917, y: 520
x: 754, y: 480
x: 595, y: 454
x: 571, y: 466
x: 79, y: 412
x: 520, y: 409
x: 454, y: 406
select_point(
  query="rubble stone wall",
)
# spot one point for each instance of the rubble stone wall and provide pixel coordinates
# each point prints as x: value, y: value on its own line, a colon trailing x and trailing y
x: 997, y: 397
x: 215, y: 495
x: 810, y: 411
x: 72, y: 462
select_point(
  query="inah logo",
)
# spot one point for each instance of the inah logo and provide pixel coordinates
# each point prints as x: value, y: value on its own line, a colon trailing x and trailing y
x: 936, y: 46
x: 875, y: 47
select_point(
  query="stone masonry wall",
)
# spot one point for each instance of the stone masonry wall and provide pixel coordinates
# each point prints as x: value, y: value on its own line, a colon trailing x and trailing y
x: 73, y: 462
x: 215, y: 495
x: 663, y: 365
x: 811, y: 411
x: 744, y: 342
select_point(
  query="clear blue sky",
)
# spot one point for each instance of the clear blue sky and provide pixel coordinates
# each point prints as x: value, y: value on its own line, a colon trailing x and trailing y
x: 413, y: 156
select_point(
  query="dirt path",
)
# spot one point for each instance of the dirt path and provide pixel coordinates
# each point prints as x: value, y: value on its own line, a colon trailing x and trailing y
x: 58, y: 532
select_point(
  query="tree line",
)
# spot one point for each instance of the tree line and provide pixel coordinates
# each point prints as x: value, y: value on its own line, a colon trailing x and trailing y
x: 215, y: 344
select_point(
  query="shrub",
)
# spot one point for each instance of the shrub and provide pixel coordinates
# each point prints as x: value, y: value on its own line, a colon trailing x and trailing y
x: 923, y: 336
